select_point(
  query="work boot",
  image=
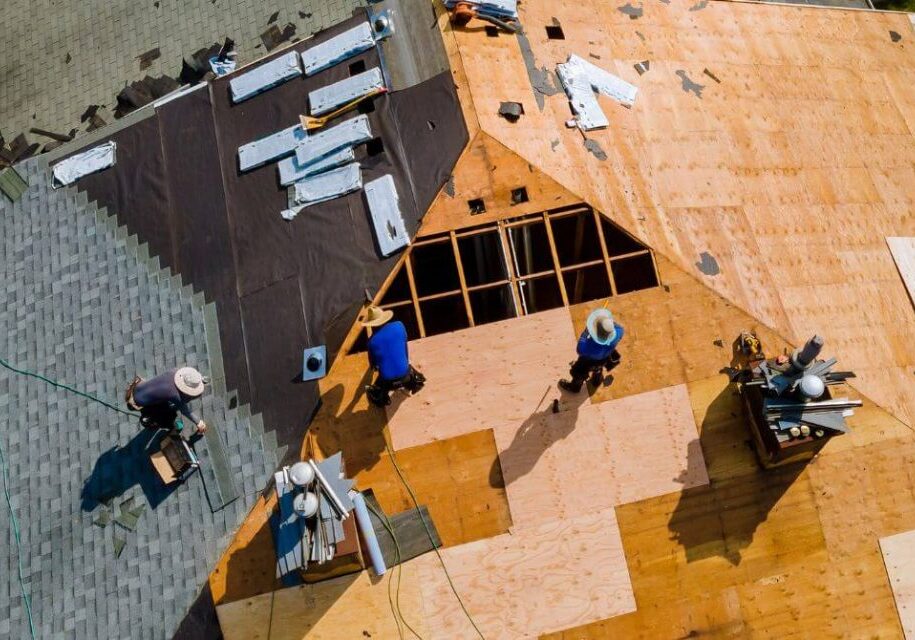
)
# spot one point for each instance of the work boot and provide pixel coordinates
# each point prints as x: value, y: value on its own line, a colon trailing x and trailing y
x: 377, y: 397
x: 570, y: 386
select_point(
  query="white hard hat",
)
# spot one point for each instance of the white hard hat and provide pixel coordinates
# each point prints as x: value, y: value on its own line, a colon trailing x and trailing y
x: 301, y: 474
x: 812, y: 387
x: 305, y: 504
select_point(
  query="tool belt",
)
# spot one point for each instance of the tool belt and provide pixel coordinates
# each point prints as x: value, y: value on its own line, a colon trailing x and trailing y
x: 128, y: 394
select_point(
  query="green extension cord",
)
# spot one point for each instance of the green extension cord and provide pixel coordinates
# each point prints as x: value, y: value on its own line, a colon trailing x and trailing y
x: 6, y: 475
x: 60, y: 385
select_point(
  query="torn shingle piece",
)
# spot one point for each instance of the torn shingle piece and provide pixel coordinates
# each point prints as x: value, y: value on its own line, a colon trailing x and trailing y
x: 346, y: 134
x: 326, y: 99
x: 349, y: 43
x: 328, y: 185
x: 82, y: 164
x: 103, y: 519
x: 384, y: 206
x: 292, y: 170
x: 277, y: 145
x: 119, y: 544
x: 265, y: 77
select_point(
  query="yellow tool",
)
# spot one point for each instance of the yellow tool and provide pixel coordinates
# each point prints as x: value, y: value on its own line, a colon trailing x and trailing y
x: 312, y: 122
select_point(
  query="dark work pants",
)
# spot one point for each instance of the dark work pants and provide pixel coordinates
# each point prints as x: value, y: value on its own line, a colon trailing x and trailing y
x: 380, y: 392
x: 582, y: 368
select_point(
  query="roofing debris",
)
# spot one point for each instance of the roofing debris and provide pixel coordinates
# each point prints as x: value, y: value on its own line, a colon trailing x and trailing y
x: 349, y: 43
x: 711, y: 75
x: 143, y: 92
x: 274, y: 36
x: 381, y: 195
x: 328, y: 185
x: 265, y: 77
x: 642, y: 67
x: 494, y: 8
x: 581, y: 79
x: 511, y: 111
x: 542, y: 80
x: 326, y: 99
x: 632, y: 11
x: 146, y: 59
x: 12, y: 184
x: 688, y: 85
x: 82, y: 164
x: 708, y: 264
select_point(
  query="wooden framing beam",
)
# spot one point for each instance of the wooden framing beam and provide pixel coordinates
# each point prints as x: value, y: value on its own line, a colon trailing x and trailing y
x: 460, y: 270
x: 556, y: 266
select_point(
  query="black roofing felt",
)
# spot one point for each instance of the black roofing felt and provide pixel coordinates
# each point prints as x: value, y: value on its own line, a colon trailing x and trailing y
x: 279, y: 286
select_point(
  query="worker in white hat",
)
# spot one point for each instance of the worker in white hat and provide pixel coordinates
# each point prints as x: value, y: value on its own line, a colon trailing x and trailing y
x: 596, y: 349
x: 167, y: 394
x: 389, y: 356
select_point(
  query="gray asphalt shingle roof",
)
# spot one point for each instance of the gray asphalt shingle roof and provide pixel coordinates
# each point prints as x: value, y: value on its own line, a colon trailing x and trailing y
x: 81, y: 303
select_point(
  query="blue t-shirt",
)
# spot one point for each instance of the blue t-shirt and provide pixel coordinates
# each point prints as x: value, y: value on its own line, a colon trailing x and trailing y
x: 589, y: 348
x: 388, y: 351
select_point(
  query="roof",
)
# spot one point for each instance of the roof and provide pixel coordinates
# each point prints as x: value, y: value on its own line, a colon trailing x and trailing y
x: 84, y: 304
x: 278, y: 286
x: 790, y: 171
x: 78, y: 57
x: 639, y: 510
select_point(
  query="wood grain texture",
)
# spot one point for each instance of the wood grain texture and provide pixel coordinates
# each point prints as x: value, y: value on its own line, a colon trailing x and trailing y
x: 487, y: 170
x: 526, y: 583
x: 903, y: 250
x: 587, y: 457
x: 899, y: 559
x: 354, y: 606
x: 790, y: 172
x: 495, y: 375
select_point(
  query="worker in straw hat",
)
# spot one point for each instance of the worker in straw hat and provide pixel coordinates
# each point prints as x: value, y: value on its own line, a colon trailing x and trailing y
x: 389, y: 356
x: 596, y: 350
x: 160, y: 399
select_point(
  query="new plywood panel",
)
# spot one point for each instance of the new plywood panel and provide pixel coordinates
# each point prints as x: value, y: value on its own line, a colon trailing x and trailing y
x: 903, y: 250
x: 458, y: 479
x: 591, y: 457
x: 488, y: 171
x: 899, y: 558
x: 790, y: 172
x: 520, y: 585
x: 354, y: 606
x: 489, y: 376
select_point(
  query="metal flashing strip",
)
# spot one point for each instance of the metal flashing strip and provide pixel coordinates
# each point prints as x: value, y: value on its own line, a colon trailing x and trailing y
x: 346, y: 134
x: 82, y: 164
x: 349, y: 43
x: 292, y: 170
x: 384, y: 206
x: 497, y: 8
x: 265, y: 77
x: 328, y: 185
x: 326, y: 99
x: 278, y: 145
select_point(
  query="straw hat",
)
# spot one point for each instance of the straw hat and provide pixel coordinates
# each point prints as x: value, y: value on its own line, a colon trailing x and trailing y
x: 375, y: 316
x: 601, y: 327
x: 189, y: 381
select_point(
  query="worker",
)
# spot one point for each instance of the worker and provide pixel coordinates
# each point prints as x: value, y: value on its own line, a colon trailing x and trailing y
x: 596, y: 350
x: 160, y: 399
x: 389, y: 356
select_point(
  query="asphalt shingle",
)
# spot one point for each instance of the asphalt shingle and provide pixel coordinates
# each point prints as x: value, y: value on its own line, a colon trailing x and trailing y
x: 81, y: 303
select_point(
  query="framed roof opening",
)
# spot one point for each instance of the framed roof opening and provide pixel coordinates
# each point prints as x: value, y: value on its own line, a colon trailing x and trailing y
x: 511, y: 268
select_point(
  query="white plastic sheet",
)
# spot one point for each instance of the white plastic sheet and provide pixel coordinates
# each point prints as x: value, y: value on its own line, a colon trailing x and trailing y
x: 82, y: 164
x: 326, y: 99
x: 265, y: 77
x: 349, y: 43
x: 328, y: 185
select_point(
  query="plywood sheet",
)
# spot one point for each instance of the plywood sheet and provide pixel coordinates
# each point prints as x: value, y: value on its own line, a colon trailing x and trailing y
x: 458, y: 479
x: 790, y: 172
x: 354, y: 606
x: 490, y: 376
x: 899, y: 559
x: 903, y: 250
x: 591, y: 457
x: 556, y: 575
x: 487, y: 170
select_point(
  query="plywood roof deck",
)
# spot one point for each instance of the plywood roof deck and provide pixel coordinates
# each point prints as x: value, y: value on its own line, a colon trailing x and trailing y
x: 790, y: 173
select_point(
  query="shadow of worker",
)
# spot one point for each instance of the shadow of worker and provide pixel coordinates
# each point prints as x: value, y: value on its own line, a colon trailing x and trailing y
x: 122, y: 467
x: 552, y: 421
